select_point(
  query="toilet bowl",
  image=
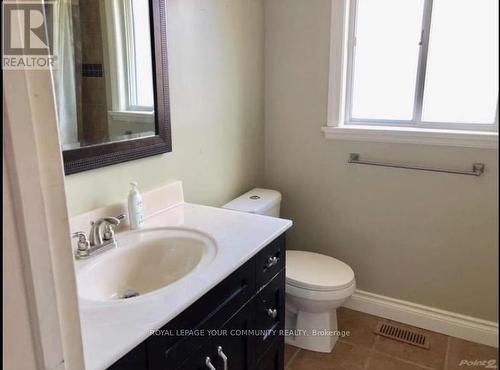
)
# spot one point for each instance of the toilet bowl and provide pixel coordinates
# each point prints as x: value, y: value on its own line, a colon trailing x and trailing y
x: 316, y: 285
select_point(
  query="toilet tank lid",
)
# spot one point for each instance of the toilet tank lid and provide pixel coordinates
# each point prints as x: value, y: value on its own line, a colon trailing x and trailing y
x: 255, y: 201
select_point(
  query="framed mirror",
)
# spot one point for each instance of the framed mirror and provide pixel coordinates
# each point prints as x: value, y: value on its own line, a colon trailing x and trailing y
x: 111, y: 81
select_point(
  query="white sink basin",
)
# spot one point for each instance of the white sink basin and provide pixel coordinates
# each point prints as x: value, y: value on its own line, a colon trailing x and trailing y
x: 144, y: 262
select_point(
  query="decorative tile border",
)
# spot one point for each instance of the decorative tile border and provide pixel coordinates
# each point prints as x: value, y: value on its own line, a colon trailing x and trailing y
x: 92, y: 70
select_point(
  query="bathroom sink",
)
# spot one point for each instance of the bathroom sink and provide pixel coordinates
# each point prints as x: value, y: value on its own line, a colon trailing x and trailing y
x: 143, y: 262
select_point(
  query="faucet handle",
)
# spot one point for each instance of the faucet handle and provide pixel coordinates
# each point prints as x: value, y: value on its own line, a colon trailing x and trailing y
x: 83, y: 244
x: 109, y: 232
x: 82, y: 237
x: 109, y: 229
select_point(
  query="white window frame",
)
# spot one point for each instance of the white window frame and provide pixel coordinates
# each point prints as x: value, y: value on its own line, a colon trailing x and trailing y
x: 122, y: 64
x: 341, y: 126
x: 130, y: 67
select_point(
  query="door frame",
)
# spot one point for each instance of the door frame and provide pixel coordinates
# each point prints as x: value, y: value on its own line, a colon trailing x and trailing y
x: 36, y: 194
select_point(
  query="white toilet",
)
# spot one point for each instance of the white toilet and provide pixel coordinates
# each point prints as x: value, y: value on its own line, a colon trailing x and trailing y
x: 315, y: 284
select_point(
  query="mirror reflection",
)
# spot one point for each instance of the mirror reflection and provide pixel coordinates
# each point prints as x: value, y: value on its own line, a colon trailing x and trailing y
x: 104, y: 81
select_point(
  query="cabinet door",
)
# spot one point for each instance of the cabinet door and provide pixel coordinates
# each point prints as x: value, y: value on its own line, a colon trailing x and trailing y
x: 270, y: 313
x: 134, y: 360
x: 209, y: 312
x: 200, y: 359
x: 232, y: 345
x: 273, y: 359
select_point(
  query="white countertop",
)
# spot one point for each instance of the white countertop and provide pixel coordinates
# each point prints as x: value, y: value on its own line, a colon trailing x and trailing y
x: 110, y: 330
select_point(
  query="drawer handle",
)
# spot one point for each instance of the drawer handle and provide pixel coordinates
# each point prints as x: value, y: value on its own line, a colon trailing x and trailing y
x: 223, y: 356
x: 209, y: 364
x: 272, y: 261
x: 272, y: 312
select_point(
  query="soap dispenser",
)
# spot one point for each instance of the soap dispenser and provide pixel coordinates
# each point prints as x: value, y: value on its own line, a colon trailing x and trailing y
x: 135, y: 208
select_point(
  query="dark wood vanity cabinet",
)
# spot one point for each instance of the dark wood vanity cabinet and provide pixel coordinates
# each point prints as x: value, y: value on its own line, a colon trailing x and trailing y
x: 240, y: 319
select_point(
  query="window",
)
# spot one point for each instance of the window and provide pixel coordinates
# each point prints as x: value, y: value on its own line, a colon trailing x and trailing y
x: 127, y: 36
x: 423, y: 64
x: 138, y: 61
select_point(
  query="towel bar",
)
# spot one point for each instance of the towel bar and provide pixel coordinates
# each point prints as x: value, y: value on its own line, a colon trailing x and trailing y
x: 477, y: 168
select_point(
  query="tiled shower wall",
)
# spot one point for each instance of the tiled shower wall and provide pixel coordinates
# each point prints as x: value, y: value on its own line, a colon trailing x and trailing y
x: 90, y: 62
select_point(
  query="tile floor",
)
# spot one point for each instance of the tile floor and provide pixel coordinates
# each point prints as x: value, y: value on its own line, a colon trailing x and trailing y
x: 363, y: 350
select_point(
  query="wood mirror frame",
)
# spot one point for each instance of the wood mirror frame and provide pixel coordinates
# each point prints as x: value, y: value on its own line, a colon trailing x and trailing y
x: 100, y: 155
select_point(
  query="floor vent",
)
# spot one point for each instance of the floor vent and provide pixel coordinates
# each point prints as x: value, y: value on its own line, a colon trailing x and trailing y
x: 402, y: 334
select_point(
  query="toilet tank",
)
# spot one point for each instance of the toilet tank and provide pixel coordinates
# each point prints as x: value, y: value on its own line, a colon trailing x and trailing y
x: 260, y: 201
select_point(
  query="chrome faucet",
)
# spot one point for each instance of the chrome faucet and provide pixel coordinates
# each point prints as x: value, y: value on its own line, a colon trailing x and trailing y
x: 101, y: 237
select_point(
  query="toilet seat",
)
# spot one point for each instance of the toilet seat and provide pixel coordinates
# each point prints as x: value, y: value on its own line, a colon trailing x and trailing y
x: 317, y: 272
x: 320, y: 295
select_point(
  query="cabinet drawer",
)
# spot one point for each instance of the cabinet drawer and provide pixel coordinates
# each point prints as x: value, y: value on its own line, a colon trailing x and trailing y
x: 209, y: 312
x: 270, y: 260
x: 270, y: 312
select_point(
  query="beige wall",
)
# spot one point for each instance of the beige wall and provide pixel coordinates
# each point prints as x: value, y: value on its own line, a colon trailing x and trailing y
x: 216, y: 85
x: 423, y: 237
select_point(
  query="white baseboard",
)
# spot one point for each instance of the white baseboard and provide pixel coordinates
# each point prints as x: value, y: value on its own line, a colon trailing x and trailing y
x: 440, y: 321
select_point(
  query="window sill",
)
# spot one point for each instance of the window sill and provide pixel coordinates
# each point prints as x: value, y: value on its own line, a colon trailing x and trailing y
x: 408, y: 135
x: 132, y: 116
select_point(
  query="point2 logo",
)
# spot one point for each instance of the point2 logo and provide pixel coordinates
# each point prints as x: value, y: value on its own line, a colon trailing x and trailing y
x: 487, y: 364
x: 25, y: 35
